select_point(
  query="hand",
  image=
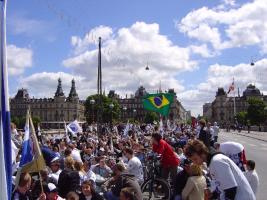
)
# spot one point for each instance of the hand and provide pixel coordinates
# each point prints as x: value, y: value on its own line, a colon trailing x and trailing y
x: 42, y: 196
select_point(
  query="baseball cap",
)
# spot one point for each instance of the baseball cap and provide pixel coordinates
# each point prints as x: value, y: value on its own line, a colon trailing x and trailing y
x: 50, y: 187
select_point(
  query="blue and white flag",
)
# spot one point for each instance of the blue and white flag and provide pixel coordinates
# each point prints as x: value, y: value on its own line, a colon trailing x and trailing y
x: 5, y: 130
x: 74, y: 128
x: 126, y: 129
x: 66, y: 133
x: 27, y: 153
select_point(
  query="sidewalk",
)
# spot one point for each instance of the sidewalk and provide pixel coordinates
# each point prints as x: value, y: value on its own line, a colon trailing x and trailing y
x: 253, y: 134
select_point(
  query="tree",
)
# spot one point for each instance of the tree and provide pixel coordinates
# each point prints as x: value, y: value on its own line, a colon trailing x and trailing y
x: 36, y: 121
x: 150, y: 117
x: 242, y: 117
x: 256, y: 113
x: 108, y: 113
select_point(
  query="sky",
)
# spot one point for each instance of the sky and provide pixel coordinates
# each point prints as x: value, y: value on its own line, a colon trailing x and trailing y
x: 192, y: 46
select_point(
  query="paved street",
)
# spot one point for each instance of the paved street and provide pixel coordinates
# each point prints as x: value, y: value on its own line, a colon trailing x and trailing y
x: 255, y: 150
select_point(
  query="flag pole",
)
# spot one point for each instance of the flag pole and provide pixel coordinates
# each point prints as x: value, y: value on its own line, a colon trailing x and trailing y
x: 234, y: 100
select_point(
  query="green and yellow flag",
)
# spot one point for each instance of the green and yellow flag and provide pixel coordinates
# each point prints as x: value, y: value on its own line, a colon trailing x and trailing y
x: 158, y: 102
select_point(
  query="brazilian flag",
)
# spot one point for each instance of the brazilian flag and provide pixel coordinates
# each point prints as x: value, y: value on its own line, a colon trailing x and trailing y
x: 158, y: 102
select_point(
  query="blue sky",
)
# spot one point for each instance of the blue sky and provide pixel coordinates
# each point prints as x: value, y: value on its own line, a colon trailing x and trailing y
x: 191, y: 46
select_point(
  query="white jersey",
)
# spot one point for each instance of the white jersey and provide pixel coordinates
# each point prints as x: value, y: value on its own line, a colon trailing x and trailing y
x: 55, y: 176
x: 253, y: 180
x: 216, y: 130
x: 226, y: 174
x: 135, y: 168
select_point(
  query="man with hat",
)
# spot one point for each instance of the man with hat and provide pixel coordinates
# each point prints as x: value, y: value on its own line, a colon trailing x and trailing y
x: 51, y: 192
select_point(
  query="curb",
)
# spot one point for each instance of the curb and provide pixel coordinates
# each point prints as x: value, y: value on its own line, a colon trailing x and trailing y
x: 251, y: 137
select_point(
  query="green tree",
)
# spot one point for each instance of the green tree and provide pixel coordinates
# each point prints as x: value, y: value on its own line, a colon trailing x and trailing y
x: 242, y: 117
x: 36, y: 121
x: 150, y: 117
x: 256, y: 113
x: 19, y: 121
x: 91, y: 109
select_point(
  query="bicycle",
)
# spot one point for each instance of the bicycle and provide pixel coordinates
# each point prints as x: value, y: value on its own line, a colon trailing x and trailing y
x: 155, y: 187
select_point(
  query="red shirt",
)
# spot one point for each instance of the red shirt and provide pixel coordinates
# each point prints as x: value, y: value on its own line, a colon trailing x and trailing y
x: 168, y: 157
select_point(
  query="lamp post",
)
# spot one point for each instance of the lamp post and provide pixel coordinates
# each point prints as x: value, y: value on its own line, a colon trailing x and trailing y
x: 134, y: 111
x: 124, y: 111
x: 92, y: 102
x: 111, y: 106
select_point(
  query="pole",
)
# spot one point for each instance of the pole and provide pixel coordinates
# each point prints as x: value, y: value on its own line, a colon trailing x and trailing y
x: 99, y: 90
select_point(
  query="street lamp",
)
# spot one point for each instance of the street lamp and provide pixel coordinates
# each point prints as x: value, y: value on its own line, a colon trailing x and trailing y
x: 92, y: 102
x: 134, y: 111
x: 111, y: 106
x: 124, y: 111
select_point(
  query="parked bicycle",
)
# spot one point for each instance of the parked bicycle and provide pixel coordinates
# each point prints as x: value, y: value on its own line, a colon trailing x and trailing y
x: 155, y: 187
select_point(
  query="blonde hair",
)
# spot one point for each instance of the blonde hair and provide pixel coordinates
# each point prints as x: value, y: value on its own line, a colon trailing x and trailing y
x: 69, y: 162
x: 196, y: 170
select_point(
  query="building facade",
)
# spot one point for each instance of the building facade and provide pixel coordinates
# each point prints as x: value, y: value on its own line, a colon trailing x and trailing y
x: 132, y: 106
x: 223, y: 108
x: 51, y: 111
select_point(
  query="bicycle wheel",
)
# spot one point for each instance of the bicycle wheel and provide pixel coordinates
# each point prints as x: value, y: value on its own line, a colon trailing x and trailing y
x: 156, y: 189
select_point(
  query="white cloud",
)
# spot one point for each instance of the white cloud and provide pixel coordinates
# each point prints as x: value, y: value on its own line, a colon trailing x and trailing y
x: 18, y: 59
x: 221, y: 76
x: 202, y: 50
x: 239, y: 26
x: 125, y: 55
x: 91, y: 38
x: 44, y: 84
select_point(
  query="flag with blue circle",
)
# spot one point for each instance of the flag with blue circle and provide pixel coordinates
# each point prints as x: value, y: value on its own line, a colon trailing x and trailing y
x: 158, y: 102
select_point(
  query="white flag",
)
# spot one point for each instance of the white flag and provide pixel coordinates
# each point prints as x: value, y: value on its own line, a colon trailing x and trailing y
x: 74, y: 128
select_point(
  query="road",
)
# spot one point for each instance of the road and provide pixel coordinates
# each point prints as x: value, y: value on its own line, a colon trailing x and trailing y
x: 255, y: 150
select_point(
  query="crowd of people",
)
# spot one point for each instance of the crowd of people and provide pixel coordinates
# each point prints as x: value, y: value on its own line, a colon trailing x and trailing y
x: 96, y: 165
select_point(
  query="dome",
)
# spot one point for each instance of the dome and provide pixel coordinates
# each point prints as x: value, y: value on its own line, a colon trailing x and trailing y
x: 252, y: 91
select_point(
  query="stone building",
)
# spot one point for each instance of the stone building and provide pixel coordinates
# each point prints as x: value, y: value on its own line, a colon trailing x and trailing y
x: 132, y: 106
x: 51, y: 111
x: 222, y: 107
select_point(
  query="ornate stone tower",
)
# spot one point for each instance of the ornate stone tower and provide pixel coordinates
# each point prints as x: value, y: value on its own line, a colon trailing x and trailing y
x: 73, y: 96
x: 59, y: 95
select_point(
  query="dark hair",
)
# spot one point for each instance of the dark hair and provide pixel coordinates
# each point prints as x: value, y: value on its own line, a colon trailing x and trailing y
x: 251, y: 164
x: 202, y: 122
x: 156, y: 136
x: 67, y: 152
x: 195, y: 147
x: 129, y: 151
x: 72, y: 196
x: 128, y: 193
x: 91, y: 186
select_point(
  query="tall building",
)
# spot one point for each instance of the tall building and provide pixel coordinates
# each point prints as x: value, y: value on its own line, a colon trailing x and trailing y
x: 132, y: 106
x: 222, y: 107
x: 51, y: 111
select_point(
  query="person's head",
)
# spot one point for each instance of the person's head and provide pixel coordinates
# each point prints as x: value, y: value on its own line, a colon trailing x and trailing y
x: 196, y: 151
x: 89, y: 150
x: 78, y: 166
x: 251, y: 165
x: 180, y: 151
x: 127, y: 194
x: 156, y: 137
x: 86, y: 165
x: 24, y: 182
x: 202, y: 123
x: 55, y: 149
x: 128, y: 153
x: 87, y: 188
x: 67, y: 152
x: 195, y: 170
x: 208, y: 124
x: 69, y: 162
x: 55, y: 166
x: 72, y: 196
x: 51, y: 191
x: 44, y: 173
x: 119, y: 168
x: 102, y: 161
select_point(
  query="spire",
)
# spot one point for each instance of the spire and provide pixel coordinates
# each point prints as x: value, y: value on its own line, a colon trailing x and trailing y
x: 59, y: 92
x: 238, y: 93
x: 73, y: 92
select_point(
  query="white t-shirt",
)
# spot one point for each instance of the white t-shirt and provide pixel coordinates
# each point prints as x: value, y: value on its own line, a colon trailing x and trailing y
x: 231, y: 148
x: 135, y: 168
x: 227, y: 175
x: 253, y: 180
x: 55, y: 176
x: 216, y: 130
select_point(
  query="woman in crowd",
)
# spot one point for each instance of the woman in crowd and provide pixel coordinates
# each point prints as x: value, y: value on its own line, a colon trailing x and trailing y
x: 88, y: 192
x: 195, y: 185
